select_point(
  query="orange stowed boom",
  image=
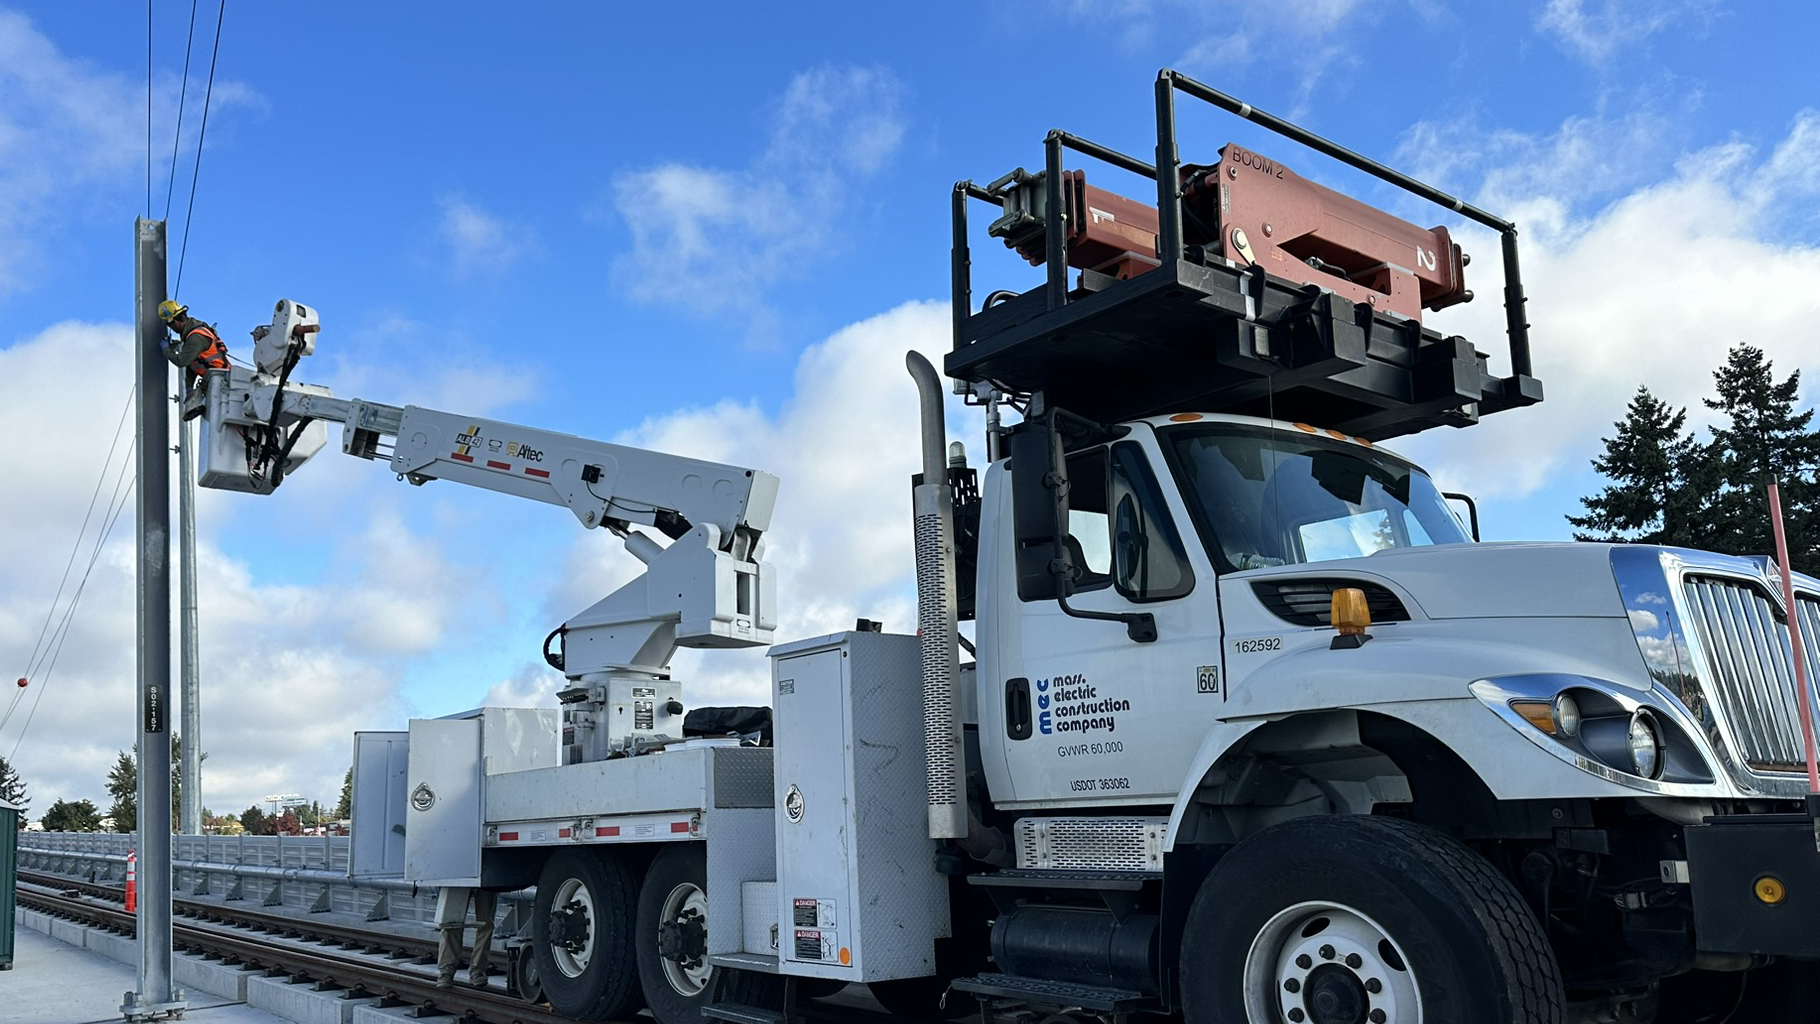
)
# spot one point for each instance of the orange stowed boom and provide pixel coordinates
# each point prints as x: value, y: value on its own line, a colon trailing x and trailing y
x: 1251, y: 209
x: 1106, y: 232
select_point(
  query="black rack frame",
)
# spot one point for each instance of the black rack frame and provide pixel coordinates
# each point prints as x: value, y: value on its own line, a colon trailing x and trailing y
x: 1200, y: 333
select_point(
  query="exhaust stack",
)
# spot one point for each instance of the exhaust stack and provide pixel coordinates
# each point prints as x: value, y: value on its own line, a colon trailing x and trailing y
x: 935, y: 615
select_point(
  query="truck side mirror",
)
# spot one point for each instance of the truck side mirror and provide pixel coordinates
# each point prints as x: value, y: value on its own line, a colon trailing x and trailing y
x: 1472, y: 508
x: 1039, y: 510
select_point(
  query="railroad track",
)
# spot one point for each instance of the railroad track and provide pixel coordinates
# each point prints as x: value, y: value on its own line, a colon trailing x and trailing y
x: 403, y: 947
x: 361, y: 973
x: 362, y: 961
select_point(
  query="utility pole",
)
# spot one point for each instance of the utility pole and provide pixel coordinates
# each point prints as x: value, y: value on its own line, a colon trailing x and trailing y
x: 157, y: 995
x: 191, y: 731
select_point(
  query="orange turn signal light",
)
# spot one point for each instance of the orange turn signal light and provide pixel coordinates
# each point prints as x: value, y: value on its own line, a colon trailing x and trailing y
x: 1539, y: 713
x: 1351, y: 615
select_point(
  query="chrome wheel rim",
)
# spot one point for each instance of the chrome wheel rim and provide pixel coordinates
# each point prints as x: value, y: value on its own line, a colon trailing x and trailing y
x: 686, y: 904
x: 573, y: 897
x: 1327, y: 963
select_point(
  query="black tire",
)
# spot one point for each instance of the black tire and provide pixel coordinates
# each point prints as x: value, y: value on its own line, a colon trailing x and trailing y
x: 1284, y: 915
x: 581, y: 926
x: 1785, y: 992
x: 677, y: 985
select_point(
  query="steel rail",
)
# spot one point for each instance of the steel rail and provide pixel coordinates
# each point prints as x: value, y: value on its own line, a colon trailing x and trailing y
x: 315, y: 930
x: 327, y: 969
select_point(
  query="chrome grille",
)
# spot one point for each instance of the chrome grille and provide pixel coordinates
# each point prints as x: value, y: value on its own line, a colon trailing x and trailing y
x: 1744, y: 640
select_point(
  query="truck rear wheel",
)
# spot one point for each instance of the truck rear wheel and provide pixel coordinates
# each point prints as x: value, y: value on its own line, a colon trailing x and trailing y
x: 1356, y: 919
x: 582, y: 929
x: 672, y: 942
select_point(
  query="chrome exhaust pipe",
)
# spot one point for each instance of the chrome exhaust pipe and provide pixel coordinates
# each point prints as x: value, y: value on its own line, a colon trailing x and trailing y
x: 933, y: 509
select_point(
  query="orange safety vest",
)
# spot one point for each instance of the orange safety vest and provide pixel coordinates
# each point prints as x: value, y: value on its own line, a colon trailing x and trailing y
x: 213, y: 355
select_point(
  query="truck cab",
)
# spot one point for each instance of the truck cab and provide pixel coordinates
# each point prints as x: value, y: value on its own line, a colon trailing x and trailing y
x: 1273, y: 736
x: 1172, y: 518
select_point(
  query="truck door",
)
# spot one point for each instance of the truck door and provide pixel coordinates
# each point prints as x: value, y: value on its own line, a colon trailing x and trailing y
x: 1083, y: 713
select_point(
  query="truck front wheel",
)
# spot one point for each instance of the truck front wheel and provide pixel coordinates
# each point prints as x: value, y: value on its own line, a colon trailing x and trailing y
x: 1356, y: 919
x: 673, y: 942
x: 582, y: 929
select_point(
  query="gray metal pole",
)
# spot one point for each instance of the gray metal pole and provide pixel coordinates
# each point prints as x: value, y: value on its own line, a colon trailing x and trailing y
x: 191, y: 730
x: 157, y: 994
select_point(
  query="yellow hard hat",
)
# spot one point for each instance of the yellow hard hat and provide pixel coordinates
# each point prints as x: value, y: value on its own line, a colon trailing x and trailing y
x: 171, y: 309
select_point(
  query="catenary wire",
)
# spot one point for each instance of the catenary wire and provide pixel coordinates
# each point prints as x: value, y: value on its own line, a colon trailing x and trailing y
x: 201, y: 133
x: 189, y: 42
x: 40, y: 647
x: 58, y: 633
x: 148, y: 109
x: 123, y: 489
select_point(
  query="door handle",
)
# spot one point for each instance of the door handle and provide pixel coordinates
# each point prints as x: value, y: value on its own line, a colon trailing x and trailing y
x: 1017, y: 709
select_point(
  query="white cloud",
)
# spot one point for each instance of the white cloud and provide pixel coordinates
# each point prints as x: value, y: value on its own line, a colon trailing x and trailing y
x: 69, y: 130
x: 1210, y: 41
x: 1596, y: 30
x: 845, y: 445
x: 1651, y: 288
x: 289, y: 670
x: 532, y: 686
x: 478, y: 243
x: 712, y: 239
x: 1586, y: 160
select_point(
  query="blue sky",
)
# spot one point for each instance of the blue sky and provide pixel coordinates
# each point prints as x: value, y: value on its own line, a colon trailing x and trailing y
x: 714, y: 229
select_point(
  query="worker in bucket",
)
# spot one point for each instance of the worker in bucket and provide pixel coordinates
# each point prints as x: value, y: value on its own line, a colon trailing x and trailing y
x: 196, y: 347
x: 451, y: 918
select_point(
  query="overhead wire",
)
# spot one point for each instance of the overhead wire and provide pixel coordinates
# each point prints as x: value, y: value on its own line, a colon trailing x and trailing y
x: 123, y: 488
x: 39, y: 647
x: 49, y: 646
x: 183, y: 93
x: 148, y: 109
x: 201, y: 134
x: 43, y: 650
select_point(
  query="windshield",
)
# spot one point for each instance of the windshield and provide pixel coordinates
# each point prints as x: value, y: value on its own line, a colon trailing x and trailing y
x: 1263, y: 497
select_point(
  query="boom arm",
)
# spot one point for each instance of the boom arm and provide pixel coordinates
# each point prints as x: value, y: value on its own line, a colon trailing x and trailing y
x: 603, y: 484
x: 708, y: 588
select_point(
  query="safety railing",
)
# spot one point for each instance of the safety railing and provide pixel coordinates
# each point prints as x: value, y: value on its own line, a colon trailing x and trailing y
x: 294, y: 876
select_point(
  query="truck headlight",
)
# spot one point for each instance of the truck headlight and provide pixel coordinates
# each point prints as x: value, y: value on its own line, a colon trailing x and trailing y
x: 1645, y: 741
x: 1567, y: 715
x: 1558, y: 717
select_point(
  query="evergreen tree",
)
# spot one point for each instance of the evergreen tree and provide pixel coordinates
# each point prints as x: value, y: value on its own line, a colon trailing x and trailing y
x: 72, y: 816
x: 345, y: 809
x: 123, y: 786
x: 254, y: 821
x: 1763, y: 434
x: 1660, y: 480
x: 12, y: 789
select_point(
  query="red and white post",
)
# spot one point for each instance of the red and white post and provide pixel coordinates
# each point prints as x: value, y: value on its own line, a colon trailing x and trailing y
x: 1794, y: 635
x: 132, y: 881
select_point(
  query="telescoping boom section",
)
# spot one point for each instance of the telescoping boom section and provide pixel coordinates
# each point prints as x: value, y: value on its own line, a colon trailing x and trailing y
x: 707, y: 588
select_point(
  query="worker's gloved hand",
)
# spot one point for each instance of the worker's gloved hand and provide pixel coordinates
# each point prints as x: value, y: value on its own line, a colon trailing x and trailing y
x: 169, y: 346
